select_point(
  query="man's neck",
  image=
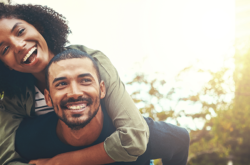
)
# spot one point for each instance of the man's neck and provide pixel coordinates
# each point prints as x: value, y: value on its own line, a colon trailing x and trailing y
x: 84, y: 136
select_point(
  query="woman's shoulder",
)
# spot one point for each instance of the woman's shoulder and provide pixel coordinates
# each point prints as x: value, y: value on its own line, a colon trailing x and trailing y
x: 83, y: 48
x: 20, y: 102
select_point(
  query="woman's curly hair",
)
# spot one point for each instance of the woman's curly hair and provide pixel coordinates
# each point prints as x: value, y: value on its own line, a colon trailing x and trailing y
x: 52, y: 26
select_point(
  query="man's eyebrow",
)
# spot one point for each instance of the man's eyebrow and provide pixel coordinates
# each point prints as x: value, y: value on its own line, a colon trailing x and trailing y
x: 13, y: 28
x: 1, y: 43
x: 84, y: 75
x: 58, y: 79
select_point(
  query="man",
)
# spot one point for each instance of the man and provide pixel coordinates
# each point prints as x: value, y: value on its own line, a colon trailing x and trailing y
x: 75, y: 91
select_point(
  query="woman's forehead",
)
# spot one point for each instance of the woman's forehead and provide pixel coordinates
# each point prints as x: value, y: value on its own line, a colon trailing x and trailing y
x: 9, y: 25
x: 11, y: 21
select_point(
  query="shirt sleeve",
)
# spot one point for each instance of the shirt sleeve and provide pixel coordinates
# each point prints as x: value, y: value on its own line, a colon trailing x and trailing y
x: 12, y: 111
x: 131, y: 136
x: 9, y: 124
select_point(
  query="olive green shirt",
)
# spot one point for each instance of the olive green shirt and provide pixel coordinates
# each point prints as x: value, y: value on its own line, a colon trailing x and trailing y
x: 128, y: 141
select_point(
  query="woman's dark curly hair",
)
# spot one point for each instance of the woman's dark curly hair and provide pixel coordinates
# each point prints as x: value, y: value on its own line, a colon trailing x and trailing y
x: 52, y: 26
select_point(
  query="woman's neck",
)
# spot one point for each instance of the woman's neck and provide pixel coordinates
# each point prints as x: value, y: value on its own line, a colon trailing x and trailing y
x: 40, y: 81
x: 40, y: 77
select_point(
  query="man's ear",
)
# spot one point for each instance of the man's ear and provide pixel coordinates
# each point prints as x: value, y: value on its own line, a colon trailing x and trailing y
x: 47, y: 98
x: 102, y: 90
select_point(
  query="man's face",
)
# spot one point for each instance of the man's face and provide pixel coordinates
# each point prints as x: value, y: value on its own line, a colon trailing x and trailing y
x: 75, y: 91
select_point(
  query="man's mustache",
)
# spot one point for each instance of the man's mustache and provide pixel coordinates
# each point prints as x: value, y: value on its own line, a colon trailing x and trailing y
x: 72, y: 100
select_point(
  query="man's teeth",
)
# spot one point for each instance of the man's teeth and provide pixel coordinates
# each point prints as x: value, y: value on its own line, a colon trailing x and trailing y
x: 73, y: 107
x: 29, y: 54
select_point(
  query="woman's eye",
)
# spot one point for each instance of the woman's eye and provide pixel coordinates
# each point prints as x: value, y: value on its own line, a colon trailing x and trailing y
x: 5, y: 49
x: 20, y: 32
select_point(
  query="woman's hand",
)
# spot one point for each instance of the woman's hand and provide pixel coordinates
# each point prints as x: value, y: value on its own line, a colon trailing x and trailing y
x: 45, y: 161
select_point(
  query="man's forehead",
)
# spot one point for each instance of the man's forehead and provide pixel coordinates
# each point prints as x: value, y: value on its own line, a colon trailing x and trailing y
x: 72, y: 66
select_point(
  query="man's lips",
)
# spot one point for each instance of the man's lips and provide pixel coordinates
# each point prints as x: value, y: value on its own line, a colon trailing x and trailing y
x: 76, y: 106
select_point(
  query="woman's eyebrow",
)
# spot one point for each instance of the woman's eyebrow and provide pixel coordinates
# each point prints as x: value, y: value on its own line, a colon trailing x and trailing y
x: 13, y: 28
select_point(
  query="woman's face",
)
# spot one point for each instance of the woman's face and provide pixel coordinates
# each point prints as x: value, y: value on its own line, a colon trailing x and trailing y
x: 22, y: 47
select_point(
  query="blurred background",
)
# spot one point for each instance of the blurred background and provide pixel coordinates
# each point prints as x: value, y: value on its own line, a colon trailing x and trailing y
x: 186, y: 62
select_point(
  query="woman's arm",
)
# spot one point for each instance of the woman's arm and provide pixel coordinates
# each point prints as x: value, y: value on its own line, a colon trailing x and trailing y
x: 94, y: 155
x: 132, y: 133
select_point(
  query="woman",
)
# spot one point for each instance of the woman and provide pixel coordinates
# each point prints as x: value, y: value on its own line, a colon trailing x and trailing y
x: 29, y: 37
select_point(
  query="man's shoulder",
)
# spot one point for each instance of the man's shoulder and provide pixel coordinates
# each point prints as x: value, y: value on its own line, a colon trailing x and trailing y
x: 43, y: 128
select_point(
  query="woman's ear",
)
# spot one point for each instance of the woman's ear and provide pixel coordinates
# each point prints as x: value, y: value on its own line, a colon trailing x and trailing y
x: 47, y: 98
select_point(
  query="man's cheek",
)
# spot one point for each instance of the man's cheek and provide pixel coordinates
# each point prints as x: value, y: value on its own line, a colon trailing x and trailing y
x: 56, y: 108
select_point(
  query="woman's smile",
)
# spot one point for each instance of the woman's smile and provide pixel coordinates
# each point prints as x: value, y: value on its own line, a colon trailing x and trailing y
x: 22, y: 47
x: 30, y: 56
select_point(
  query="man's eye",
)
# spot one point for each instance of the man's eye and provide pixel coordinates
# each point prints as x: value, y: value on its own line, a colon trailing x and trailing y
x: 86, y: 80
x: 20, y: 32
x: 5, y: 49
x: 61, y: 84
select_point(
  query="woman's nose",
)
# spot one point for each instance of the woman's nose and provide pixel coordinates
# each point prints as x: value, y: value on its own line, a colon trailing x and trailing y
x: 19, y: 45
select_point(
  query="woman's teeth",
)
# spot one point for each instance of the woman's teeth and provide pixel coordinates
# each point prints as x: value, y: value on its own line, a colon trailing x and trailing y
x: 29, y: 54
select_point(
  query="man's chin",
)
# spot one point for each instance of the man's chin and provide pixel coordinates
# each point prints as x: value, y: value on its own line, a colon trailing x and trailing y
x: 76, y: 121
x: 76, y: 115
x: 76, y: 126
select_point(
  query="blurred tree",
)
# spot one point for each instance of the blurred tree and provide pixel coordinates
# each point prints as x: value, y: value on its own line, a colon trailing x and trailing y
x: 226, y: 131
x: 203, y: 142
x: 231, y: 127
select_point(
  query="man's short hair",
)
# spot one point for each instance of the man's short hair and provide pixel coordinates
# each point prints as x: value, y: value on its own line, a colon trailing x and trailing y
x: 69, y: 54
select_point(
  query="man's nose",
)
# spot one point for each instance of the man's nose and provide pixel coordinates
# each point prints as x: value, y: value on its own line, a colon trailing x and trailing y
x: 74, y: 91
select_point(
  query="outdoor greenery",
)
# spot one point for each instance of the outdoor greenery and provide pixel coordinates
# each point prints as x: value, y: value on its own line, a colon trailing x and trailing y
x: 225, y: 110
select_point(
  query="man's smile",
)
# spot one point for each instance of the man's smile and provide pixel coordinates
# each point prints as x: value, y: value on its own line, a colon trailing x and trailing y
x: 77, y: 106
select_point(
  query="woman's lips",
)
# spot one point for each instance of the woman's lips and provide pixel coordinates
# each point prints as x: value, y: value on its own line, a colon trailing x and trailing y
x: 28, y: 55
x: 32, y: 58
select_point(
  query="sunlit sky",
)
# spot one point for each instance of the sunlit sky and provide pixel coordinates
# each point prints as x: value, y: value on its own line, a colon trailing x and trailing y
x: 152, y: 35
x: 167, y: 35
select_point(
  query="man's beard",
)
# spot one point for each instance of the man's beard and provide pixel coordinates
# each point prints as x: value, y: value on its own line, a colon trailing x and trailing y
x: 77, y: 124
